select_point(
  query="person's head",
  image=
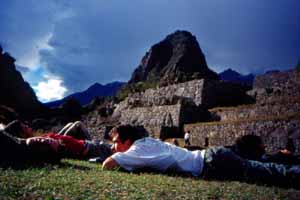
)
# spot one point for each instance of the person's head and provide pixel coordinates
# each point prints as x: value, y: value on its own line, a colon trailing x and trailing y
x: 250, y: 147
x: 18, y: 129
x: 124, y: 136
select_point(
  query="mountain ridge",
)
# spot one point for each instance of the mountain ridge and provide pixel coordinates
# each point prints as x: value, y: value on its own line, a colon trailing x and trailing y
x: 86, y: 96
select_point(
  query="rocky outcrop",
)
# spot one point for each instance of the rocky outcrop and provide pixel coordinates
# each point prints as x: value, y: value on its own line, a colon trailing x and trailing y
x: 178, y: 58
x: 16, y: 93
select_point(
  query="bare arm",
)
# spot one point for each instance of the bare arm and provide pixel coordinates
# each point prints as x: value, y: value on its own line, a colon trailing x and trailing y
x: 110, y: 164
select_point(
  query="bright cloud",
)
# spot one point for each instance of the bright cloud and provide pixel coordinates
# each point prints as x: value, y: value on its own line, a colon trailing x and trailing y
x: 50, y: 90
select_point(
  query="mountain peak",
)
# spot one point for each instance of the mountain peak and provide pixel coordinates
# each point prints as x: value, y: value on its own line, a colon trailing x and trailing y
x: 95, y: 85
x: 233, y: 76
x: 177, y: 58
x: 230, y: 72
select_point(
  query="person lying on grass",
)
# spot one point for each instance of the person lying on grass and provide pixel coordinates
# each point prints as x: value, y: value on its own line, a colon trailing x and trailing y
x: 252, y: 147
x: 132, y: 152
x: 73, y: 141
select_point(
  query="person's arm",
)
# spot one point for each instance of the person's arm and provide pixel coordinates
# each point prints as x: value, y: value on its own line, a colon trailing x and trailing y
x: 110, y: 164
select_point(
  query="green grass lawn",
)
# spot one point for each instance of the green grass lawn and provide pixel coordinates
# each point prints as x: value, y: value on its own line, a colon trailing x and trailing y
x: 82, y: 180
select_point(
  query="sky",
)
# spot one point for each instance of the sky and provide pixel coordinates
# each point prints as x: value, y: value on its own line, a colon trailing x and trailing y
x: 65, y: 46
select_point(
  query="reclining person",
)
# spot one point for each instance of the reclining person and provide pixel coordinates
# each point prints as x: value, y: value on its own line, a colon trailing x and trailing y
x: 252, y: 147
x: 49, y: 147
x: 133, y: 152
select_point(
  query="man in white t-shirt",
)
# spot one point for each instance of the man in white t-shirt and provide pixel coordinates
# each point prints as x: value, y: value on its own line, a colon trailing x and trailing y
x: 133, y: 152
x: 187, y: 138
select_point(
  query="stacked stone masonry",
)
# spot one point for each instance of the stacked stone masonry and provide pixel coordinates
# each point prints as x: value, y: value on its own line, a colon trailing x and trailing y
x: 274, y: 85
x: 277, y: 96
x: 283, y: 108
x: 274, y: 133
x: 169, y: 95
x: 176, y: 104
x: 152, y: 116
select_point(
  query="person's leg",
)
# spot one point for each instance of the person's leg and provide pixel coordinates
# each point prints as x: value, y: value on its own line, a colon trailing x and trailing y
x: 272, y: 173
x: 78, y: 131
x: 65, y: 128
x: 98, y: 149
x: 222, y: 163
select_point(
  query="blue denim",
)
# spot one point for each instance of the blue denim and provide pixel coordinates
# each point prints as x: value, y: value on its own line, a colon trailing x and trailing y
x: 98, y: 149
x: 223, y: 163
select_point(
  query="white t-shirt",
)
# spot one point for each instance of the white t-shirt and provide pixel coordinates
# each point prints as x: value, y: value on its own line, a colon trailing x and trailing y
x: 153, y: 153
x: 186, y: 136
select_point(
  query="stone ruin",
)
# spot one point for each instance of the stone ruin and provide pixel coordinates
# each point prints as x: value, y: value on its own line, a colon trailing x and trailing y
x: 274, y: 116
x: 177, y: 104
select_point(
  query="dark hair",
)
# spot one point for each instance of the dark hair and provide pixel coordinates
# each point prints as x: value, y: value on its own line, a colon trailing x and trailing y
x: 250, y: 147
x: 132, y: 133
x: 15, y: 128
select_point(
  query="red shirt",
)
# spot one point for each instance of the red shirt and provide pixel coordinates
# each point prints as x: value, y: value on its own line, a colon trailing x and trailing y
x: 71, y: 144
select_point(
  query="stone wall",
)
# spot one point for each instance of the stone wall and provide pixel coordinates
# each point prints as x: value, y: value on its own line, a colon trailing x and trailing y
x: 278, y: 79
x: 159, y: 106
x: 152, y: 116
x: 274, y: 133
x: 273, y: 85
x: 279, y: 108
x: 168, y: 95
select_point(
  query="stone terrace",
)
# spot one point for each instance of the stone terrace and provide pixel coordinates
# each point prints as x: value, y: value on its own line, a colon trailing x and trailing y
x: 175, y: 105
x: 274, y: 116
x: 275, y: 132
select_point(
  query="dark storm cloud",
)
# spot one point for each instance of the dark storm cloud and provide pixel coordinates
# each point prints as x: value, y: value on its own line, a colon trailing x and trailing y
x: 102, y: 41
x: 24, y: 24
x: 251, y: 35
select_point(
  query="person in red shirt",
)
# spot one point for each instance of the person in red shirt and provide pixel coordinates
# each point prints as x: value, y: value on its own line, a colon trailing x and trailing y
x: 73, y: 141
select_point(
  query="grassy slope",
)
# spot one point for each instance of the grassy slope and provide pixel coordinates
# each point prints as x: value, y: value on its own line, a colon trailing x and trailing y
x: 82, y: 180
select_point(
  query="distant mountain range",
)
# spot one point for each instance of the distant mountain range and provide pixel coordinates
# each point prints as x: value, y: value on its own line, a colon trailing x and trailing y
x: 233, y: 76
x: 88, y: 95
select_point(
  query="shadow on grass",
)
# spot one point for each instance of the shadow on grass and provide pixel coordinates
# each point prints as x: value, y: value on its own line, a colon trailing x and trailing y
x: 169, y: 173
x: 32, y: 164
x: 279, y: 184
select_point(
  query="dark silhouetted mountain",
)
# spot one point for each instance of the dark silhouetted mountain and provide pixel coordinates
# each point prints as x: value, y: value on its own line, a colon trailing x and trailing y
x: 15, y: 92
x: 177, y: 58
x: 233, y: 76
x: 88, y: 95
